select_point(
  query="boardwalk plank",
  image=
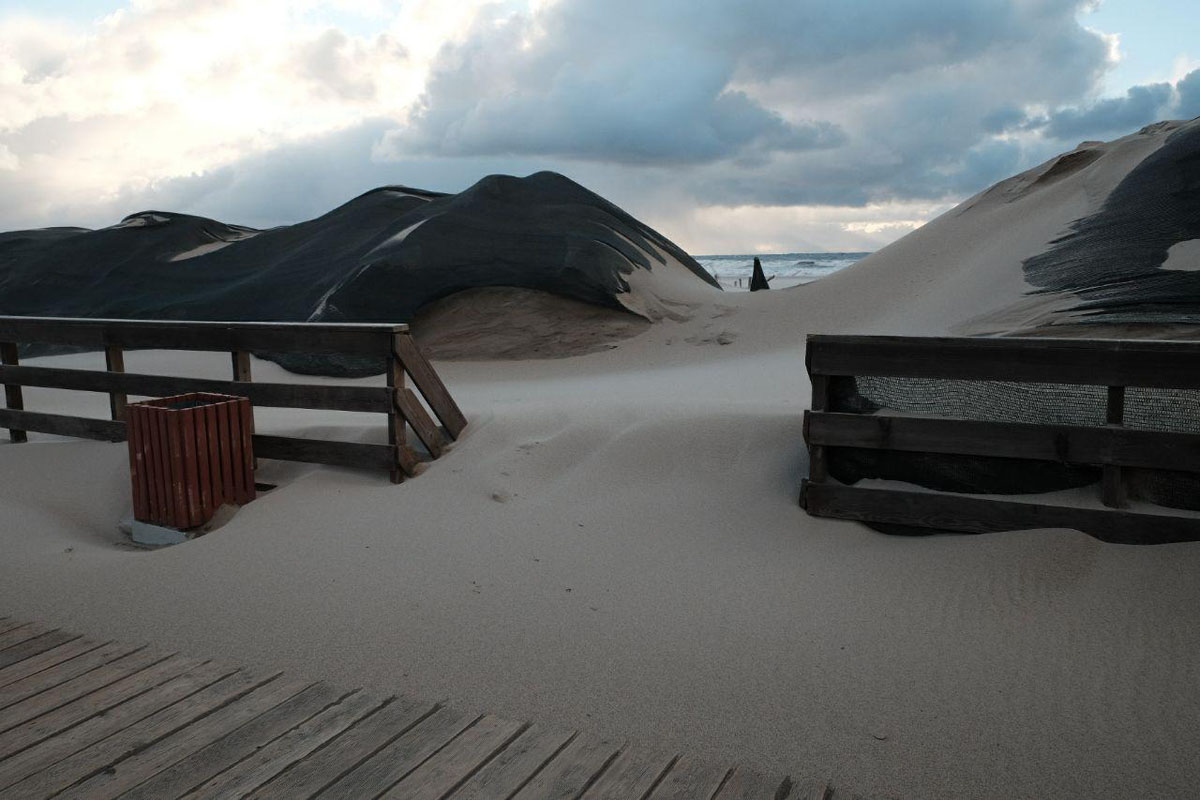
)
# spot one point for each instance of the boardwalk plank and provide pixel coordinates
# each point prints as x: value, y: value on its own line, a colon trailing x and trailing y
x: 308, y: 777
x: 689, y: 779
x: 67, y: 671
x: 89, y: 720
x: 382, y: 770
x: 21, y: 633
x: 632, y: 775
x: 571, y: 771
x: 812, y: 791
x: 50, y: 751
x: 47, y: 659
x: 744, y: 784
x: 48, y: 724
x: 123, y: 773
x: 137, y: 736
x: 75, y: 688
x: 210, y: 761
x: 250, y: 773
x: 27, y: 649
x: 40, y: 644
x: 63, y: 673
x: 457, y: 761
x: 515, y: 765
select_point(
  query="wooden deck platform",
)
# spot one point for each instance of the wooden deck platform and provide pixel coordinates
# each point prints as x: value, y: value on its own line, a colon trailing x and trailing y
x: 83, y: 718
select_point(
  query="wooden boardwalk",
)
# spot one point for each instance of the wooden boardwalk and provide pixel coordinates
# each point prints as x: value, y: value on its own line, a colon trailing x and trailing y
x: 82, y: 718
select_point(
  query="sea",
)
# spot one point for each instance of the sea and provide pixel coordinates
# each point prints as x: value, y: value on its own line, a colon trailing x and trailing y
x: 788, y: 269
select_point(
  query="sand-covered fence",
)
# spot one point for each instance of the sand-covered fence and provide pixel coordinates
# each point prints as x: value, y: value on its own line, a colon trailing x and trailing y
x: 391, y: 344
x: 973, y: 416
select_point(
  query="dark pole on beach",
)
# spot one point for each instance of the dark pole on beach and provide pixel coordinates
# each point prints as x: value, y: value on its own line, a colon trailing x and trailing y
x: 758, y: 280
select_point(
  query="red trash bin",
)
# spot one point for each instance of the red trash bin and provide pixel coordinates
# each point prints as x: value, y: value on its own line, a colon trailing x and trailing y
x: 189, y: 455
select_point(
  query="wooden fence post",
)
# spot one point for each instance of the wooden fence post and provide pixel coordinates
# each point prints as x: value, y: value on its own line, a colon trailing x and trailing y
x: 12, y: 394
x: 1113, y: 482
x: 114, y: 361
x: 241, y: 366
x: 241, y: 373
x: 405, y: 458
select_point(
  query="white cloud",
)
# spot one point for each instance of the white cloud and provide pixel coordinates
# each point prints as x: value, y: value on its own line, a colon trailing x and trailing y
x: 729, y: 125
x: 168, y: 88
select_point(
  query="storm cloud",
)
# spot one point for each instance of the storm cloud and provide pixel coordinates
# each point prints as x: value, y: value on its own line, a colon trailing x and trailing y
x: 267, y: 112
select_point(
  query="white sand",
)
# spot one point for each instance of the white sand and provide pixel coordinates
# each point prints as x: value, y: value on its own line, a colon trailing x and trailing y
x: 616, y: 545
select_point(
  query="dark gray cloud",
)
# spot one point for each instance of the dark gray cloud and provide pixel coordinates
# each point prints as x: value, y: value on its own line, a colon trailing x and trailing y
x: 664, y: 105
x: 589, y: 89
x: 1115, y: 116
x: 1189, y: 95
x: 760, y: 101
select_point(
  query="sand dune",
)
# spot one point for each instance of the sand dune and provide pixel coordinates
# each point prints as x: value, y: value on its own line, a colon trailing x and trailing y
x: 1098, y: 236
x: 616, y: 544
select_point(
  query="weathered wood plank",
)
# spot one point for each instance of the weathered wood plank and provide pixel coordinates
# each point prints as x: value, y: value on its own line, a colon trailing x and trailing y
x: 397, y: 436
x: 811, y: 791
x: 27, y: 649
x: 251, y: 773
x: 387, y: 767
x: 22, y: 633
x: 107, y: 751
x: 123, y: 773
x: 571, y: 771
x: 690, y: 778
x: 68, y: 669
x: 42, y: 680
x: 85, y: 684
x: 457, y: 761
x: 274, y: 395
x: 241, y: 366
x: 1089, y: 362
x: 1113, y: 482
x: 8, y: 623
x: 47, y: 641
x: 1059, y: 443
x: 422, y: 424
x: 87, y: 706
x: 114, y: 362
x: 20, y: 765
x: 515, y: 765
x: 633, y: 774
x: 60, y: 425
x: 319, y: 451
x: 13, y: 397
x: 744, y: 784
x: 430, y: 384
x: 282, y: 337
x: 979, y: 515
x: 364, y: 739
x: 202, y: 764
x: 71, y: 647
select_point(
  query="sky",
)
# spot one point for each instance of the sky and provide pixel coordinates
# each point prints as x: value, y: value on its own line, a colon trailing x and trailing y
x: 732, y: 126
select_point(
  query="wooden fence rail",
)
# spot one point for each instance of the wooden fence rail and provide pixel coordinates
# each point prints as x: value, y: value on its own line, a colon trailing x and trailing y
x: 1111, y: 447
x: 391, y: 343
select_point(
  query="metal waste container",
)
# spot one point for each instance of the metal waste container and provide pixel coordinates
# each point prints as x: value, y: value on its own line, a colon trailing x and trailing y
x: 189, y: 455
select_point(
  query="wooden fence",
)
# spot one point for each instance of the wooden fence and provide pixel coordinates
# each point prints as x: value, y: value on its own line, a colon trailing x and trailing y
x: 1112, y: 447
x: 390, y: 343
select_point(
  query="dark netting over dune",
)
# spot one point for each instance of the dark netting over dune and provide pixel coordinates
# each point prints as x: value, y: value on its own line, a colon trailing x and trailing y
x: 1113, y: 259
x: 381, y: 257
x: 1172, y: 410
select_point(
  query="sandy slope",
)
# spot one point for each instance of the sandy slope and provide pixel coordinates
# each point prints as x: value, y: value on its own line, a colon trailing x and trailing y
x: 616, y: 545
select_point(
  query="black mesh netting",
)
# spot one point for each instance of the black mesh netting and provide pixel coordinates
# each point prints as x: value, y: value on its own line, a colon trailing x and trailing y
x: 1173, y: 410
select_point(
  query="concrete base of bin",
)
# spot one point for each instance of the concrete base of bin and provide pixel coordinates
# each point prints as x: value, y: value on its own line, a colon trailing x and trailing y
x: 144, y: 533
